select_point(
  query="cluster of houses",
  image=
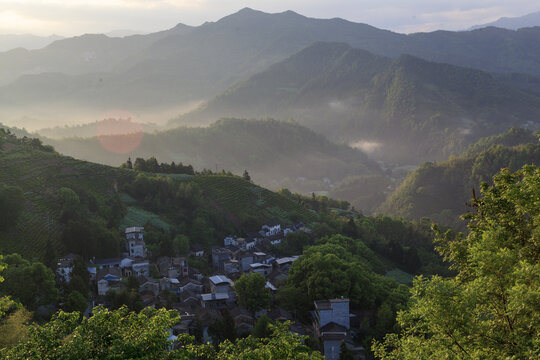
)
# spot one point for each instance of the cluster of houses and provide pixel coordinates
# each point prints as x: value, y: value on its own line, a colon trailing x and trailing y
x: 171, y: 282
x: 240, y: 255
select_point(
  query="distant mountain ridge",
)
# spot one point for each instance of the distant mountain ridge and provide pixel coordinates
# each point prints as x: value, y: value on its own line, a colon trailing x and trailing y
x: 25, y: 41
x: 416, y: 108
x: 183, y: 64
x: 513, y: 23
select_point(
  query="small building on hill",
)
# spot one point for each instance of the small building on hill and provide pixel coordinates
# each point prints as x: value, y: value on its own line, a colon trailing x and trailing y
x: 135, y: 242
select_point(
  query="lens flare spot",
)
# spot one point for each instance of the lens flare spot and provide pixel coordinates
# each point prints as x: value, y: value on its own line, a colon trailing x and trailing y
x: 119, y: 132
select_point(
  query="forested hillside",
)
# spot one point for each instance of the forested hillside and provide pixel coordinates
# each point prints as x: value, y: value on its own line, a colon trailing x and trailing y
x: 411, y: 109
x: 72, y: 205
x: 276, y: 154
x: 442, y: 191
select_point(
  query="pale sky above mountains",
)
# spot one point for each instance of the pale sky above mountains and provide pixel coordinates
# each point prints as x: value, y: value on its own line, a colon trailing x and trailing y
x: 75, y: 17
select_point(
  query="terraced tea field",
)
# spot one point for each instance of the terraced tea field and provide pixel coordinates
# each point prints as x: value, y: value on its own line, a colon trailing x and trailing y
x: 40, y: 174
x: 241, y: 199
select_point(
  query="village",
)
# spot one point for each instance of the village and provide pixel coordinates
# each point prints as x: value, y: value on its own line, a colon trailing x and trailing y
x: 202, y: 299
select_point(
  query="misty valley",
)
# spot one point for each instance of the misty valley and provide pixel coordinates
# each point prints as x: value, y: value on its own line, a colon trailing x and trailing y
x: 271, y: 186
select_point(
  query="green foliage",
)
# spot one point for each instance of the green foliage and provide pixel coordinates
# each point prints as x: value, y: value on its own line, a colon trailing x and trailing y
x: 75, y: 302
x: 121, y: 334
x: 294, y: 243
x: 282, y: 344
x: 262, y: 327
x: 181, y: 244
x: 30, y: 283
x: 11, y: 205
x: 118, y: 334
x: 332, y: 270
x: 489, y: 310
x: 251, y: 292
x: 41, y: 175
x: 14, y: 327
x: 125, y: 297
x: 151, y: 165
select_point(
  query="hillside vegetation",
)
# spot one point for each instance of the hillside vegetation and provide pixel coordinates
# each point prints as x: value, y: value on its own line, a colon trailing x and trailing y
x: 441, y: 191
x: 276, y: 154
x: 63, y: 196
x: 410, y: 109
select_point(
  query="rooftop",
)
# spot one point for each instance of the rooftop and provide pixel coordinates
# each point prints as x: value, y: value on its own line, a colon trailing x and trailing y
x: 286, y: 260
x: 219, y: 279
x: 327, y: 304
x: 109, y: 261
x: 134, y: 229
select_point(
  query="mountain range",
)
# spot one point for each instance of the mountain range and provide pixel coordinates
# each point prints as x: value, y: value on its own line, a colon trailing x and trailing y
x: 179, y: 66
x: 413, y: 109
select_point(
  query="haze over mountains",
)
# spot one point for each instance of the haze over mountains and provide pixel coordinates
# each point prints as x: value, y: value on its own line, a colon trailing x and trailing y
x: 26, y: 41
x: 514, y: 23
x: 75, y: 79
x: 277, y: 154
x: 402, y: 99
x: 414, y: 109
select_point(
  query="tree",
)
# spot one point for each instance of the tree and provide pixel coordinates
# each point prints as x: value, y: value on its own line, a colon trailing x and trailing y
x: 246, y: 176
x: 490, y: 309
x: 121, y: 334
x: 32, y: 284
x: 70, y: 202
x: 50, y: 257
x: 251, y: 292
x: 262, y: 328
x: 75, y: 302
x: 181, y: 244
x: 281, y: 344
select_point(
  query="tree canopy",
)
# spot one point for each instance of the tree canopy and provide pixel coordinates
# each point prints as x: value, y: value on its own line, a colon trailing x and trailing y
x: 490, y: 309
x: 251, y: 292
x: 121, y: 334
x: 30, y: 283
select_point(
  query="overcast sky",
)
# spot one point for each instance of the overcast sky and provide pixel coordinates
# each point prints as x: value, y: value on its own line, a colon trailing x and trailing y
x: 75, y: 17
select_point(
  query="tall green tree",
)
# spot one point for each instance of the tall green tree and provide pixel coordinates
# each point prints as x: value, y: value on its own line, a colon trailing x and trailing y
x: 32, y: 284
x: 490, y: 309
x: 251, y: 292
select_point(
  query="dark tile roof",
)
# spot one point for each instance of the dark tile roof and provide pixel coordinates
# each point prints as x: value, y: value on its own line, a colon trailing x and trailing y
x: 333, y: 327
